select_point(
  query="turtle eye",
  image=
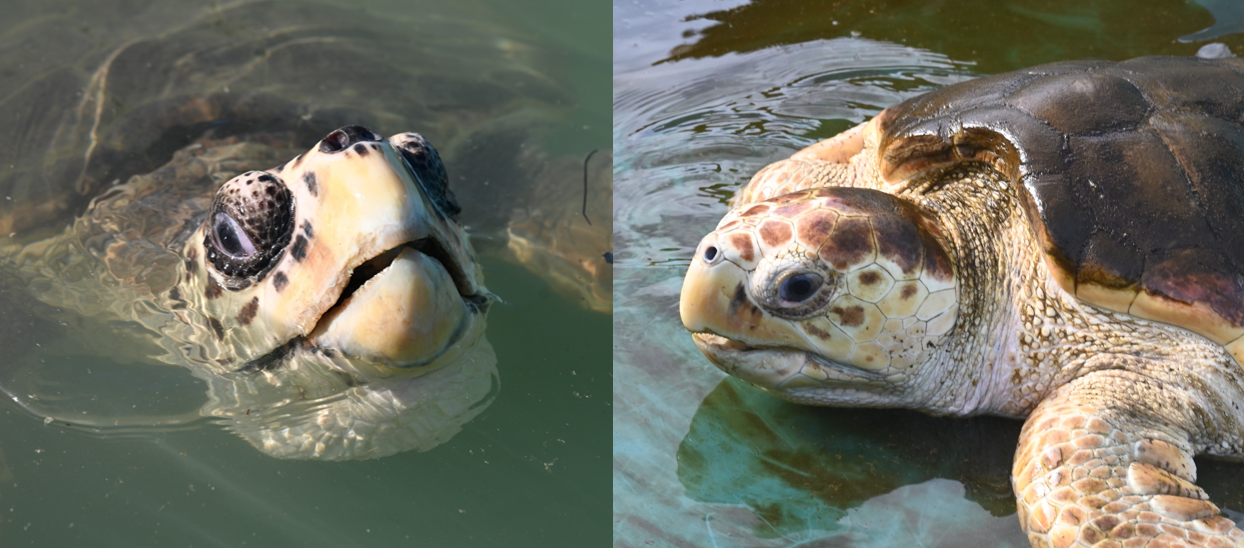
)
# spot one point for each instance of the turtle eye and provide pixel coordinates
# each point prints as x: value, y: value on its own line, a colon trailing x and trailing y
x: 793, y: 292
x: 230, y: 238
x: 799, y: 287
x: 250, y: 224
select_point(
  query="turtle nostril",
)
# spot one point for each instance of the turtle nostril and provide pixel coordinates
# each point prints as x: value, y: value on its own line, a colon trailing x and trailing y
x: 710, y: 253
x: 337, y: 140
x: 342, y: 138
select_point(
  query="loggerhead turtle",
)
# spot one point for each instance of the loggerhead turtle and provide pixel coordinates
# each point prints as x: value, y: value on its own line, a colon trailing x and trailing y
x: 1063, y: 244
x: 333, y: 303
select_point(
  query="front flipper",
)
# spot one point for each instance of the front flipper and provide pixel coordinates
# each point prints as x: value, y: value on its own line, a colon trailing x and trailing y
x: 1104, y: 462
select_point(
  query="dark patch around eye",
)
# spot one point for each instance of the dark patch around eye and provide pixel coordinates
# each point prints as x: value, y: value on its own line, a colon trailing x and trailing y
x: 248, y: 312
x: 213, y: 289
x: 299, y: 249
x: 279, y: 281
x: 218, y: 329
x: 312, y: 186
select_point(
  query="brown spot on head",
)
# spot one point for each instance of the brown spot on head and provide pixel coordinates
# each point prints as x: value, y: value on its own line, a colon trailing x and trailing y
x: 308, y: 179
x: 850, y: 244
x: 908, y: 290
x: 852, y: 316
x: 792, y: 210
x: 756, y: 210
x: 743, y: 308
x: 213, y: 289
x: 899, y: 240
x: 248, y: 311
x: 743, y: 244
x: 361, y: 149
x: 937, y: 262
x: 299, y: 249
x: 774, y: 233
x: 308, y: 229
x: 869, y: 278
x: 297, y: 160
x: 817, y: 332
x: 728, y: 225
x: 814, y: 227
x: 279, y: 281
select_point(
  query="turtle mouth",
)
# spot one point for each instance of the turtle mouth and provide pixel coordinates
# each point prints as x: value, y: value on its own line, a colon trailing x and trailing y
x: 429, y: 246
x: 746, y: 361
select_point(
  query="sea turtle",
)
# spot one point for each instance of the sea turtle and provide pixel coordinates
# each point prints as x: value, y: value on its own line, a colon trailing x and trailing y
x: 1063, y: 243
x: 218, y: 186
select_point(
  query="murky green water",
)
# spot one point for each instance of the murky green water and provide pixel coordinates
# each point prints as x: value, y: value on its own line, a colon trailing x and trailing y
x: 705, y: 94
x: 530, y: 470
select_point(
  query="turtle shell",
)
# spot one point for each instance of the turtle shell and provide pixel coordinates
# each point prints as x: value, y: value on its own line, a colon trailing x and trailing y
x: 1131, y: 175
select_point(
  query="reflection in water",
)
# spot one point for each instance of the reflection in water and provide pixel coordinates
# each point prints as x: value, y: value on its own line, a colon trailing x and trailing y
x: 999, y: 37
x: 801, y: 468
x: 128, y: 458
x: 704, y: 96
x: 314, y: 346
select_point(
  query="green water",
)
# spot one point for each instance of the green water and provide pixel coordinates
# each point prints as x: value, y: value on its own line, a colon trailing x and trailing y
x: 531, y: 470
x: 705, y: 94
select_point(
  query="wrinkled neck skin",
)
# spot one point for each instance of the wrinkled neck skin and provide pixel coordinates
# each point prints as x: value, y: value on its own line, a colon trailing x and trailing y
x: 1020, y: 336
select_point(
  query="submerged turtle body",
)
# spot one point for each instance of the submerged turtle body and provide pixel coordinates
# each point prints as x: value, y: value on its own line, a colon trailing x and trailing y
x: 223, y: 185
x: 1061, y: 243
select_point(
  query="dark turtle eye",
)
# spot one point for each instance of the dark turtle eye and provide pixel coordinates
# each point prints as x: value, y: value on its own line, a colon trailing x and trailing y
x: 710, y: 253
x: 230, y: 238
x: 248, y: 228
x: 800, y: 287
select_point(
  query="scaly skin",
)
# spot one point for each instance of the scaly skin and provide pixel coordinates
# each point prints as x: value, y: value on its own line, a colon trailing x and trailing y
x: 1116, y: 406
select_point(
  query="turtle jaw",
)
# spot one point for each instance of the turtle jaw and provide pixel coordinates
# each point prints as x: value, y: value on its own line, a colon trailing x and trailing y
x: 402, y: 309
x: 745, y: 341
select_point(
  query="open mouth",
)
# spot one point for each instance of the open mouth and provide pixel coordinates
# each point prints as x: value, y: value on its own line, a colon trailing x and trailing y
x: 387, y: 278
x: 718, y: 341
x: 725, y: 350
x: 428, y: 246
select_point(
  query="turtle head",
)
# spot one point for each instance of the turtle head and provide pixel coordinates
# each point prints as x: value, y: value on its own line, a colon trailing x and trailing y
x: 833, y: 296
x: 342, y: 272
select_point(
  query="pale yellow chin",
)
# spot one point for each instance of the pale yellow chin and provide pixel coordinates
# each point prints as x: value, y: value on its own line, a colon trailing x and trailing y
x: 408, y: 315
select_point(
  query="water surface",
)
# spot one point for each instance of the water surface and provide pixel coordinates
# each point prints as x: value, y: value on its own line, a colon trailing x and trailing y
x: 705, y: 94
x: 530, y: 470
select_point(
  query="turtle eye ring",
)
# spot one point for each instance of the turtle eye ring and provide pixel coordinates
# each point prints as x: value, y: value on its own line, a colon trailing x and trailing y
x: 800, y: 287
x: 230, y: 238
x: 248, y: 227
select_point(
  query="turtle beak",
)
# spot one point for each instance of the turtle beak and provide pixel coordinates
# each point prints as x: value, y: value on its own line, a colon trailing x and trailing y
x: 714, y: 300
x: 406, y: 315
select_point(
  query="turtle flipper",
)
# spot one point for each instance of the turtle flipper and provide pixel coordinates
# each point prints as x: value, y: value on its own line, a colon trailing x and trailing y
x: 1097, y: 467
